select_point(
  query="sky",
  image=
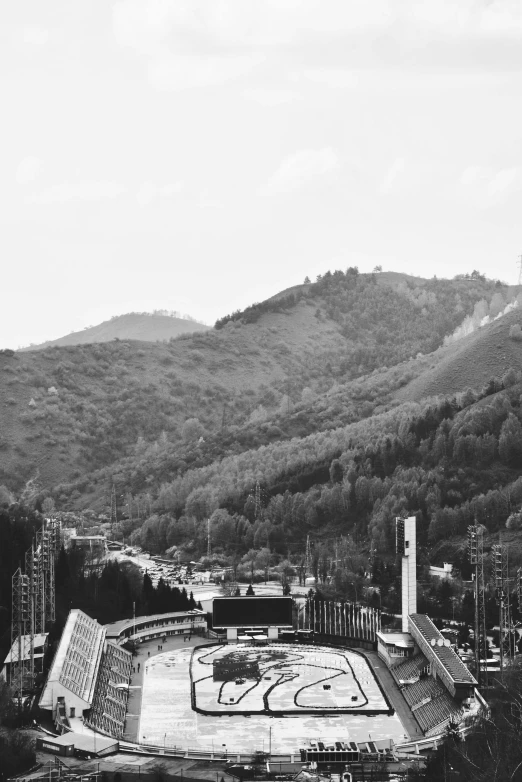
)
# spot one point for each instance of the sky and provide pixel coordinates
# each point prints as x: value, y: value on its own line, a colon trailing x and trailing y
x: 201, y: 155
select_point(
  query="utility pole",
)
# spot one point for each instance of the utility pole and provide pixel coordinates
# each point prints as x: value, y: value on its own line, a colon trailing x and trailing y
x: 209, y: 547
x: 519, y: 264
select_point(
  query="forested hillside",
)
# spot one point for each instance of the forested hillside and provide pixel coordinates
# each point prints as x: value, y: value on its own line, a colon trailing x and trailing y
x: 449, y: 461
x: 300, y: 395
x: 70, y: 411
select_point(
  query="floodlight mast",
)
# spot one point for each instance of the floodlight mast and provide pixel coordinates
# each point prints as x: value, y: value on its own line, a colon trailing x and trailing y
x: 476, y: 558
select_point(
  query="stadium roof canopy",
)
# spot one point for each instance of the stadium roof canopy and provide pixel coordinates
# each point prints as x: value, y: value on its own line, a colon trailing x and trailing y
x: 444, y: 654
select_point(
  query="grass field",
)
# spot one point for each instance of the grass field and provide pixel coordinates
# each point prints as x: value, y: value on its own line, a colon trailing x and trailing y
x: 167, y: 718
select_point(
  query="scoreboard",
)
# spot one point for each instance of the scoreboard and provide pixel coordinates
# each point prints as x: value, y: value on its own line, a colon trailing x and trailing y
x: 252, y: 612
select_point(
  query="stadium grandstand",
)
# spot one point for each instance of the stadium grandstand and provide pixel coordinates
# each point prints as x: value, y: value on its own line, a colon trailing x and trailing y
x: 87, y: 671
x: 146, y: 628
x: 434, y: 681
x: 109, y: 702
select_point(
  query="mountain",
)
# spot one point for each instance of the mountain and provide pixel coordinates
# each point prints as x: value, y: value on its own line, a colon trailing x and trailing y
x: 467, y: 363
x: 311, y: 365
x: 143, y: 326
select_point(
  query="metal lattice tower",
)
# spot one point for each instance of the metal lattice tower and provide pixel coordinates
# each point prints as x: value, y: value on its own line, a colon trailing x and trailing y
x: 114, y: 507
x: 308, y: 557
x: 519, y: 588
x: 476, y: 558
x: 19, y: 671
x: 257, y: 500
x: 33, y: 604
x: 501, y: 576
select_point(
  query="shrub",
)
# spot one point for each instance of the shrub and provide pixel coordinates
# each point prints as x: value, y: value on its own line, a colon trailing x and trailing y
x: 515, y: 332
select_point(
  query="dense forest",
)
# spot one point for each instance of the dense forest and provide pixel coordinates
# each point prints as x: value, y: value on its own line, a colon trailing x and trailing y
x: 448, y: 461
x: 72, y: 411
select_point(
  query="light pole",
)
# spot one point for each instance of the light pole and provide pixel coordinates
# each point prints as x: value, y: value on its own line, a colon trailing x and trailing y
x: 355, y: 588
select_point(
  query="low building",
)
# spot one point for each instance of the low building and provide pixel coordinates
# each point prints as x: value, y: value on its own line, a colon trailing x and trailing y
x: 21, y: 650
x: 82, y: 745
x: 442, y: 572
x: 393, y: 648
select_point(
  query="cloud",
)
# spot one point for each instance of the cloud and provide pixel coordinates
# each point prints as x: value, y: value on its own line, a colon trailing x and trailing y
x: 270, y: 97
x: 502, y: 181
x: 300, y: 168
x: 179, y: 72
x: 149, y: 191
x: 185, y: 44
x: 78, y: 191
x: 485, y: 186
x: 28, y: 170
x: 35, y: 36
x: 392, y: 174
x: 195, y: 43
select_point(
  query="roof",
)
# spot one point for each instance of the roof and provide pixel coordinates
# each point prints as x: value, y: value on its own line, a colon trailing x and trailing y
x: 77, y: 658
x: 399, y: 639
x: 84, y: 741
x: 116, y: 628
x: 39, y: 640
x: 445, y: 654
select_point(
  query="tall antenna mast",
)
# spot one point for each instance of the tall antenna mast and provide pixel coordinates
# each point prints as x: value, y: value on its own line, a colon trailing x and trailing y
x: 519, y: 264
x: 209, y: 547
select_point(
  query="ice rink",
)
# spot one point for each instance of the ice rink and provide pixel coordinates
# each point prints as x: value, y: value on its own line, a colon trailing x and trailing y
x: 295, y: 684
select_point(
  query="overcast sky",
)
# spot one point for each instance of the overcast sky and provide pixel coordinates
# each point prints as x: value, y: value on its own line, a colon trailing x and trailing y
x: 200, y: 155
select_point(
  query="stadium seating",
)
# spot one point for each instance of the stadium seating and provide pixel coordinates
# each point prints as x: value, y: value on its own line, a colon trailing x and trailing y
x: 111, y: 691
x: 409, y: 669
x: 433, y: 715
x: 416, y: 688
x: 424, y: 688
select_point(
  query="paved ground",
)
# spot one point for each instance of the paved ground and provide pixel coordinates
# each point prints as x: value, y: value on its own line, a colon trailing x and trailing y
x: 146, y: 650
x: 395, y: 696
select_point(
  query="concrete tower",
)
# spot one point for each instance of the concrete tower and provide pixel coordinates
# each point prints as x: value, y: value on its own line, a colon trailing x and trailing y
x: 407, y: 548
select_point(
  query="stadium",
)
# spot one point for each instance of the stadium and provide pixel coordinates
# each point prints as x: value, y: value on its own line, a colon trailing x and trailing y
x: 297, y: 681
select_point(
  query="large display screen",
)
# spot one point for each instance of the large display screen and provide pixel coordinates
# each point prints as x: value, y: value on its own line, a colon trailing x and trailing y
x: 252, y: 612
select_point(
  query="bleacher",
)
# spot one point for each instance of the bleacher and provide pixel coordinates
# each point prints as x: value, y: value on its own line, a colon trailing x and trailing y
x: 111, y: 691
x: 435, y: 715
x: 425, y: 688
x: 409, y: 669
x: 417, y: 687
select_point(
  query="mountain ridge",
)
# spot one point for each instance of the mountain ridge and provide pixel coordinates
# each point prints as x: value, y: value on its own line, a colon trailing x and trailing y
x: 140, y: 326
